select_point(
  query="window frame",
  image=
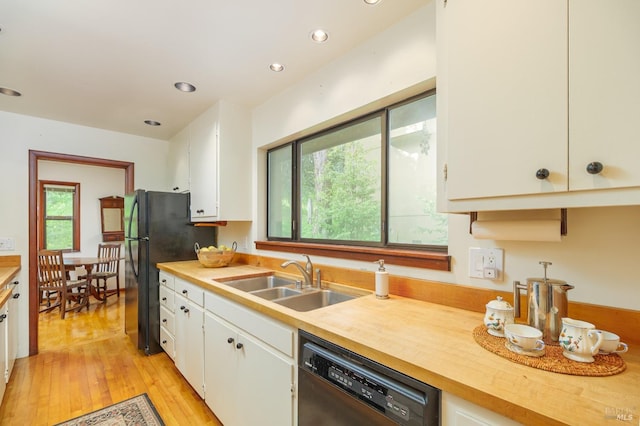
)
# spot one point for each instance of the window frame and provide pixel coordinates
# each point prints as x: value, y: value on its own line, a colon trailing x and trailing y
x: 428, y: 256
x: 42, y: 217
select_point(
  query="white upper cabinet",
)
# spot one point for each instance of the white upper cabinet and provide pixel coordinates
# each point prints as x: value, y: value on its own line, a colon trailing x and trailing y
x: 506, y: 96
x: 604, y: 92
x: 529, y: 94
x: 218, y: 163
x: 179, y: 161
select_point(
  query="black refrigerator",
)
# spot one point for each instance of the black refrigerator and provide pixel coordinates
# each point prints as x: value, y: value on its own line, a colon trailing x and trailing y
x: 157, y: 229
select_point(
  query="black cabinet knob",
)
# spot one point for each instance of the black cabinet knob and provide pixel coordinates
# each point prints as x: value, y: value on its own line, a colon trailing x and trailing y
x: 186, y: 311
x: 542, y: 174
x: 164, y: 299
x: 15, y: 282
x: 164, y: 320
x: 164, y: 342
x: 230, y: 340
x: 594, y: 167
x: 17, y: 295
x: 175, y: 188
x: 182, y: 308
x: 239, y: 345
x: 184, y: 292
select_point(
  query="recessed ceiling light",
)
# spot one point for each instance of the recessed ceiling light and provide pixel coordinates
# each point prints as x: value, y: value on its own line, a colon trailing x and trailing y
x: 372, y: 1
x: 185, y: 87
x: 276, y: 67
x: 152, y: 123
x: 319, y: 36
x: 9, y: 92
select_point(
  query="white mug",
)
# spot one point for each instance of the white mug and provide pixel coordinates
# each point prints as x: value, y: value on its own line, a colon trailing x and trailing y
x: 611, y: 343
x: 579, y: 340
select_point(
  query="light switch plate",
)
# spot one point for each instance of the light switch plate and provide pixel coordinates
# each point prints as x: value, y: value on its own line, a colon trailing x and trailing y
x: 486, y: 263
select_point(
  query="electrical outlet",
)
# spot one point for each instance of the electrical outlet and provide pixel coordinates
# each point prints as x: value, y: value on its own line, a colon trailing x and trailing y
x: 486, y: 263
x: 7, y: 244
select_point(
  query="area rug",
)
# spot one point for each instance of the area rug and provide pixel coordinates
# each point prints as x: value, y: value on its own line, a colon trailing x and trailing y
x: 138, y: 411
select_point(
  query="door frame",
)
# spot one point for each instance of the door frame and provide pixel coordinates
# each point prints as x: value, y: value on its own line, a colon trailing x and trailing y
x: 34, y: 157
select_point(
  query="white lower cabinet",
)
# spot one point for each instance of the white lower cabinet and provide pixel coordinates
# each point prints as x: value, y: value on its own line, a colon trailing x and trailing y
x: 3, y: 346
x: 459, y: 412
x: 248, y: 381
x: 189, y: 342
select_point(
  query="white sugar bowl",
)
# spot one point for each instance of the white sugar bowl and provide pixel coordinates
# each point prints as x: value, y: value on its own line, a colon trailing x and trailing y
x: 499, y: 312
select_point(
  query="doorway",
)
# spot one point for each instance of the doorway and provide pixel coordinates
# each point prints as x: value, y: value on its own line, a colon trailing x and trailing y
x: 34, y: 157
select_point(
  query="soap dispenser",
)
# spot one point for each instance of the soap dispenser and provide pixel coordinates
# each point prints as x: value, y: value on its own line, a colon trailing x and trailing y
x: 382, y: 281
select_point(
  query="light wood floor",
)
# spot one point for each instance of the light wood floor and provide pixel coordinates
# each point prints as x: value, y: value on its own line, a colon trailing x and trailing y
x: 86, y: 362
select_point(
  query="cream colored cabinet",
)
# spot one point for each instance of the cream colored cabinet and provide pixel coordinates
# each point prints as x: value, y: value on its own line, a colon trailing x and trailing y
x: 179, y: 161
x: 167, y: 313
x: 604, y: 92
x: 3, y: 346
x: 506, y: 93
x: 250, y: 366
x: 459, y: 412
x: 531, y: 94
x: 12, y: 329
x: 220, y: 164
x: 189, y: 333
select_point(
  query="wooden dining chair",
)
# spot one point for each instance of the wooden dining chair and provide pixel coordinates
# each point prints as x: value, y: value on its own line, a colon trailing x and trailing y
x: 110, y: 269
x: 52, y: 279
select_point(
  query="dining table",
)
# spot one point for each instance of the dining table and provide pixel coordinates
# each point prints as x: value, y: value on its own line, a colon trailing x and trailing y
x: 88, y: 263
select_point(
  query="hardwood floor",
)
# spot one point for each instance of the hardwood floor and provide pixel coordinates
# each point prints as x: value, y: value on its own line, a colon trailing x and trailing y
x: 86, y: 362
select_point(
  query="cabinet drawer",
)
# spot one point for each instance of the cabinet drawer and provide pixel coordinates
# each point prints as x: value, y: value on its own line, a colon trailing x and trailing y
x: 166, y: 280
x: 167, y: 298
x: 270, y: 331
x: 167, y: 342
x: 190, y: 291
x: 167, y: 320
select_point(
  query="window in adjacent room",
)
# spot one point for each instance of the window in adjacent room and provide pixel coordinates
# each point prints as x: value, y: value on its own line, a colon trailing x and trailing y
x: 370, y: 181
x: 60, y: 217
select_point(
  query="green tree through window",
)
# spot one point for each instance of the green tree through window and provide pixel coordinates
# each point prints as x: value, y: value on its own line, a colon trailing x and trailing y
x: 60, y: 215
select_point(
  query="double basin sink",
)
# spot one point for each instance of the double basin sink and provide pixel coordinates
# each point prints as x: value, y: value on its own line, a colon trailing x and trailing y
x: 284, y: 291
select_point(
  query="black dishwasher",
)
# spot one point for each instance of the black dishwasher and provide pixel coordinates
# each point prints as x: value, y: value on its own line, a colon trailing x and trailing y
x: 338, y: 387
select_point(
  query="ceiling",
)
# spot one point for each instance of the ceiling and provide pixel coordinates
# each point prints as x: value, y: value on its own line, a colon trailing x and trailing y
x: 112, y: 64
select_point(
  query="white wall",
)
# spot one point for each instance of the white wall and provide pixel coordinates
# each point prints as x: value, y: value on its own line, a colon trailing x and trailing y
x: 596, y: 256
x: 19, y: 134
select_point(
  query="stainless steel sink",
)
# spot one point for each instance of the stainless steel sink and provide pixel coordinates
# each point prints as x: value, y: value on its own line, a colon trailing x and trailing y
x: 276, y: 293
x: 284, y: 291
x: 260, y: 283
x: 313, y: 300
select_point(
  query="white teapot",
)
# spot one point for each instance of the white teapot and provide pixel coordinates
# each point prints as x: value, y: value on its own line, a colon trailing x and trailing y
x: 579, y: 340
x: 499, y: 313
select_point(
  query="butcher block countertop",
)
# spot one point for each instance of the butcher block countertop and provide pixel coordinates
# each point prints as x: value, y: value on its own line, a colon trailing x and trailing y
x: 434, y: 343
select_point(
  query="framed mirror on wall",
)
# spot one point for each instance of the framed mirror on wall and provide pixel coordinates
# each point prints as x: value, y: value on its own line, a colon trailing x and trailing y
x: 112, y: 217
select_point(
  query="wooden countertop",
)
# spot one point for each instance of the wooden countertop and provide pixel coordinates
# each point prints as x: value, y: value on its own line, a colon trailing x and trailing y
x: 434, y: 344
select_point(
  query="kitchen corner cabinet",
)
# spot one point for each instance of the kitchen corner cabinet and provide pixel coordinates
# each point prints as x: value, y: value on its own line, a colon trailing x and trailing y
x: 12, y: 329
x: 529, y: 94
x: 220, y: 163
x: 249, y: 373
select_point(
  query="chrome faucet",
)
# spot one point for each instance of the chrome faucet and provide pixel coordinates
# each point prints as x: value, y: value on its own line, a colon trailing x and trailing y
x: 307, y: 271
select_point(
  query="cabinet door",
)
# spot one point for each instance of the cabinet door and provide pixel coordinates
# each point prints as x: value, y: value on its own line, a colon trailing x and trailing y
x: 179, y: 161
x: 12, y: 329
x: 220, y: 369
x: 506, y: 96
x: 189, y: 342
x: 3, y: 348
x: 203, y: 166
x: 604, y: 92
x: 265, y: 383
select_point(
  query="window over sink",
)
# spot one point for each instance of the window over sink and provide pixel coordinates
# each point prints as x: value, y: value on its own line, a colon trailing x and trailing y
x: 367, y: 182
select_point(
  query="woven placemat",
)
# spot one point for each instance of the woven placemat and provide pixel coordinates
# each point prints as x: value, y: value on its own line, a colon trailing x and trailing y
x: 553, y: 360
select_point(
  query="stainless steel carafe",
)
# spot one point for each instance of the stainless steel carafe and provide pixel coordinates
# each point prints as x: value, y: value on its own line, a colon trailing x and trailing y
x: 547, y: 304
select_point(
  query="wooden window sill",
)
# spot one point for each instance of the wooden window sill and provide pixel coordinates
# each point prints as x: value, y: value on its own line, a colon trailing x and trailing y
x: 413, y: 258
